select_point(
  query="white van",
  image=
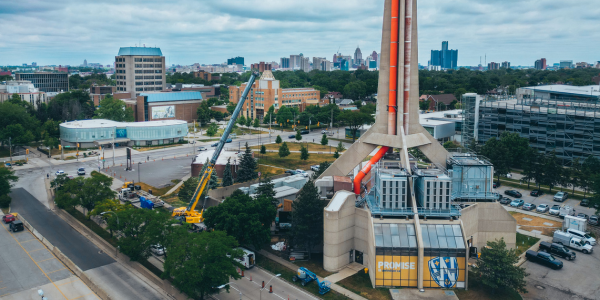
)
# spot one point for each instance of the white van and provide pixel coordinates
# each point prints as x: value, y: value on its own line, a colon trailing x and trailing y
x: 582, y: 235
x: 248, y: 259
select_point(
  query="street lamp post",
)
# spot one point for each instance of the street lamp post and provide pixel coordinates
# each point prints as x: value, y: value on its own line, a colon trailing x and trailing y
x: 267, y: 284
x: 139, y: 166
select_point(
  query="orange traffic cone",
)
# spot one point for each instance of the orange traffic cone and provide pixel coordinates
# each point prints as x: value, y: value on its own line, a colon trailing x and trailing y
x: 242, y: 273
x: 270, y: 289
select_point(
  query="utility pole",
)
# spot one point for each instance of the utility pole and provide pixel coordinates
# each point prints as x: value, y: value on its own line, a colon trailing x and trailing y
x: 270, y: 121
x: 10, y: 149
x: 194, y: 143
x: 77, y: 142
x: 113, y: 145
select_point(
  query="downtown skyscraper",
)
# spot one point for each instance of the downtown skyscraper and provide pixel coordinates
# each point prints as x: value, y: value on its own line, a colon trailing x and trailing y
x: 445, y: 58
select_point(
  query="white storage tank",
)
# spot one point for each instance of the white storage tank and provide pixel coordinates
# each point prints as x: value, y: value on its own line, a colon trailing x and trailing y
x: 572, y: 222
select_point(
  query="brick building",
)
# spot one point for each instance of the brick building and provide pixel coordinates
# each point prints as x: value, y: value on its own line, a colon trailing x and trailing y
x: 159, y: 106
x: 203, y: 74
x: 267, y: 91
x: 98, y: 93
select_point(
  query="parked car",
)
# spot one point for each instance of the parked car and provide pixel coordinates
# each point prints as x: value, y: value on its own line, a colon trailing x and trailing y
x: 554, y: 210
x: 291, y: 136
x: 558, y: 250
x: 298, y: 171
x: 496, y: 184
x: 16, y: 225
x: 323, y: 131
x: 561, y: 196
x: 59, y: 172
x: 81, y: 171
x: 229, y: 140
x: 536, y: 193
x: 571, y: 241
x: 202, y: 149
x: 505, y: 200
x: 315, y: 168
x: 509, y: 175
x: 528, y: 206
x: 582, y: 235
x: 291, y: 172
x: 544, y: 258
x: 158, y: 249
x: 583, y: 216
x: 8, y: 218
x: 304, y: 131
x: 542, y: 208
x: 593, y: 220
x: 585, y: 202
x: 513, y: 193
x: 214, y: 145
x: 517, y: 203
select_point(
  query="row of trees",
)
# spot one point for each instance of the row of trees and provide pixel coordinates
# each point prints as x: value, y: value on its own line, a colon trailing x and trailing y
x: 7, y: 177
x: 512, y: 151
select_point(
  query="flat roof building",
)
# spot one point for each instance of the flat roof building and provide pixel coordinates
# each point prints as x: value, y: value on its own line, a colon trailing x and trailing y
x: 154, y: 106
x: 92, y: 133
x: 140, y: 69
x: 46, y: 81
x: 26, y: 91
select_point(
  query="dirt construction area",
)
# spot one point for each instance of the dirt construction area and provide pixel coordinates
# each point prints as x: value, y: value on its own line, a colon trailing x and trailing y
x: 533, y: 223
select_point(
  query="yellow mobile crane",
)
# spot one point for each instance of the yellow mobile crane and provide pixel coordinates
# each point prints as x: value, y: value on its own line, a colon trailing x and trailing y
x: 189, y: 213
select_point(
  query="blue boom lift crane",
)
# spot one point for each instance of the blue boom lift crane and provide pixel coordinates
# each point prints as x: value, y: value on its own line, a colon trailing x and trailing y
x: 189, y: 213
x: 306, y: 276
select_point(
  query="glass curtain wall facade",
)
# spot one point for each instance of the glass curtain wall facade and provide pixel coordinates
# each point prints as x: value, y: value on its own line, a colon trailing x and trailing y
x: 444, y: 256
x: 396, y: 255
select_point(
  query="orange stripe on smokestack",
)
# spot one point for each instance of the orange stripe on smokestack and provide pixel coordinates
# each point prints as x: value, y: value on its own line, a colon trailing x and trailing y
x: 392, y: 95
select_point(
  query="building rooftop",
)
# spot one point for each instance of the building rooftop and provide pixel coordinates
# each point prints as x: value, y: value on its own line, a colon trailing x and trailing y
x: 294, y: 90
x: 589, y: 90
x: 172, y: 96
x: 99, y: 123
x: 141, y: 51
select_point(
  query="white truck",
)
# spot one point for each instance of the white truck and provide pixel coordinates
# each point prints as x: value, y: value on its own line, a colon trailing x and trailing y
x: 571, y: 241
x: 566, y: 210
x: 573, y: 222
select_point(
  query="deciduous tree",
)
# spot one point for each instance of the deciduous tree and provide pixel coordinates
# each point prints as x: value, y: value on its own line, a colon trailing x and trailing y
x: 114, y: 109
x: 355, y: 120
x: 304, y: 152
x: 324, y: 140
x: 497, y: 270
x: 278, y: 139
x: 198, y: 263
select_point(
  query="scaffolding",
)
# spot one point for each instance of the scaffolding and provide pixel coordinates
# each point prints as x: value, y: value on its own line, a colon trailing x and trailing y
x: 568, y: 127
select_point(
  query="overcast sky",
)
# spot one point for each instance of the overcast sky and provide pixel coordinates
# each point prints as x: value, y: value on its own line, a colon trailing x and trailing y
x: 69, y: 31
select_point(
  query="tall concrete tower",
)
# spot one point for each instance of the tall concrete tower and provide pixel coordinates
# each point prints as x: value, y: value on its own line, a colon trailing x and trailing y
x: 397, y: 118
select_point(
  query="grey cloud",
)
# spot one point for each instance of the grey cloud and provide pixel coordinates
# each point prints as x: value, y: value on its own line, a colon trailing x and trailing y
x: 188, y: 31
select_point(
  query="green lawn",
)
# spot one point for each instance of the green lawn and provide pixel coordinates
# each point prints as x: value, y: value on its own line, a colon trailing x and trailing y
x: 360, y: 283
x: 524, y: 242
x: 293, y: 161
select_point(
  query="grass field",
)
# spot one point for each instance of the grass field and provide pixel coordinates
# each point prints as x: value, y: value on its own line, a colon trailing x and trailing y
x: 360, y: 283
x: 296, y: 147
x: 269, y: 171
x: 293, y: 161
x: 478, y: 291
x: 524, y: 242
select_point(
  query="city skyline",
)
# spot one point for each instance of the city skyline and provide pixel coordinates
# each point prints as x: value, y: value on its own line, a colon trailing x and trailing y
x: 67, y: 33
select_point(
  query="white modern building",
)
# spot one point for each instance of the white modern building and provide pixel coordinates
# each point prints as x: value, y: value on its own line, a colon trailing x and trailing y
x: 25, y: 89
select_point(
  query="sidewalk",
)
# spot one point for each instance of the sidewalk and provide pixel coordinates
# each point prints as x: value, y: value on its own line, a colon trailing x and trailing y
x: 294, y: 267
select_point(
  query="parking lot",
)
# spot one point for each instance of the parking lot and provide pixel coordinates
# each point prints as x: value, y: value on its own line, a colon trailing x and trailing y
x: 28, y: 265
x: 547, y: 199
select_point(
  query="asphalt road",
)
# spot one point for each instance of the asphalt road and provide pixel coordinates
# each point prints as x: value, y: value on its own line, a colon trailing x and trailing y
x: 251, y: 290
x: 578, y: 279
x: 75, y: 246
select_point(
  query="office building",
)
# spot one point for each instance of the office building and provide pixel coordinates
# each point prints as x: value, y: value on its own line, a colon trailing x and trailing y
x: 493, y: 66
x: 566, y: 64
x: 261, y: 67
x: 505, y: 65
x: 26, y: 91
x: 140, y: 69
x: 556, y: 118
x: 295, y: 61
x: 45, y: 81
x: 375, y: 57
x: 540, y: 64
x: 445, y: 58
x: 285, y: 63
x: 267, y: 91
x: 98, y: 93
x: 358, y: 57
x: 235, y: 61
x: 304, y: 64
x: 203, y: 74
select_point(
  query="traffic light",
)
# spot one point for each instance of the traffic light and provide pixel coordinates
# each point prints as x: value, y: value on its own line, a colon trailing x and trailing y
x: 298, y: 121
x: 77, y: 145
x: 59, y: 147
x: 288, y: 120
x: 99, y: 148
x: 318, y: 123
x: 305, y: 127
x: 26, y: 151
